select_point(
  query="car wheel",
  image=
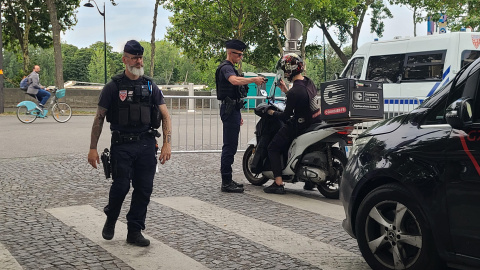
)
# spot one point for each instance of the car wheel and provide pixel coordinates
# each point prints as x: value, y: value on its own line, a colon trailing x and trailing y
x: 392, y: 232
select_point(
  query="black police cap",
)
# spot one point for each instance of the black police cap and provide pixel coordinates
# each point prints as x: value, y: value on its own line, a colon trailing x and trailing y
x: 133, y: 47
x: 235, y: 44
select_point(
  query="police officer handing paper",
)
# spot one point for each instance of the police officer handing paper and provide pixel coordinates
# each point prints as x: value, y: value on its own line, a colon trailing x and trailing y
x: 135, y: 108
x: 231, y: 89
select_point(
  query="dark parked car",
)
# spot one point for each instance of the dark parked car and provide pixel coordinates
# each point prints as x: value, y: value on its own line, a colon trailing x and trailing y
x: 411, y: 187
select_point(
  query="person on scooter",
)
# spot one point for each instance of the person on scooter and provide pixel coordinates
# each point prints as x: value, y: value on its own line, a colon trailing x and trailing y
x: 301, y: 111
x: 35, y: 88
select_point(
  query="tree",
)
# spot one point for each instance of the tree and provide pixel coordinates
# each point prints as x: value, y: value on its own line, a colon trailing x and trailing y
x: 30, y: 18
x: 57, y: 47
x: 96, y: 66
x: 152, y: 41
x: 201, y: 28
x: 417, y: 6
x: 465, y: 13
x: 347, y: 18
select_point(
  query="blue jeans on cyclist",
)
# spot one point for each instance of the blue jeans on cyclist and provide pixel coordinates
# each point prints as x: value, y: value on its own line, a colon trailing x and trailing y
x: 42, y: 97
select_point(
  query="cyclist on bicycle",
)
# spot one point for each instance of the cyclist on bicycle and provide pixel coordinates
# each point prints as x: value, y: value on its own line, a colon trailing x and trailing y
x: 35, y: 88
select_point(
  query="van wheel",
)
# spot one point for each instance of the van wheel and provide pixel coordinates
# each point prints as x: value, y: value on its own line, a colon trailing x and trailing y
x: 392, y: 232
x: 254, y: 179
x: 329, y: 188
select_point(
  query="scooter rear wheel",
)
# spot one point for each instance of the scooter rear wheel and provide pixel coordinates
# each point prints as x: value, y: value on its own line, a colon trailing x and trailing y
x: 330, y: 188
x: 254, y: 179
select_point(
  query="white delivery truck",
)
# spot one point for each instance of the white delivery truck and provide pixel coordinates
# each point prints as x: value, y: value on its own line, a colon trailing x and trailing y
x: 413, y: 67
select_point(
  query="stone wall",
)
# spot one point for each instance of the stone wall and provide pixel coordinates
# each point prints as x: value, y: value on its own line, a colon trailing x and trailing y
x: 82, y: 98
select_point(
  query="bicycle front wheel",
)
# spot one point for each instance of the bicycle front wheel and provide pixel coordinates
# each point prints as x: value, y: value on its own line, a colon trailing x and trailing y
x: 26, y: 116
x: 62, y: 112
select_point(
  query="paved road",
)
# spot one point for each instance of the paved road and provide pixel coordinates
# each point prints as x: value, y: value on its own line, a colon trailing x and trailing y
x: 51, y: 212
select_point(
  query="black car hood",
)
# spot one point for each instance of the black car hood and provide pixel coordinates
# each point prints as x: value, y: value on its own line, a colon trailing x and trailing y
x: 385, y: 126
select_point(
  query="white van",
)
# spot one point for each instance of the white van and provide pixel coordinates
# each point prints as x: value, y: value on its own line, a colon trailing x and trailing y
x: 413, y: 66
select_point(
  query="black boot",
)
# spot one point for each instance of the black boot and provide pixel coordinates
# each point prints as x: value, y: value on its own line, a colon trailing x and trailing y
x: 109, y: 229
x: 136, y: 238
x: 308, y: 185
x: 238, y: 184
x: 232, y: 188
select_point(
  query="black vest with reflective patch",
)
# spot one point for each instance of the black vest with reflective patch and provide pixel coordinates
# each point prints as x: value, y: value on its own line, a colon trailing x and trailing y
x: 132, y: 106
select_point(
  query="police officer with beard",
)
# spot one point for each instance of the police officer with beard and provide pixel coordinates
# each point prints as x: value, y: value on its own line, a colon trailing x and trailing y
x: 231, y: 89
x: 135, y: 108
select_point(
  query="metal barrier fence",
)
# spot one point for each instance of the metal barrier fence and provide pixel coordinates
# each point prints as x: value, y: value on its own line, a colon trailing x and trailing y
x: 197, y: 127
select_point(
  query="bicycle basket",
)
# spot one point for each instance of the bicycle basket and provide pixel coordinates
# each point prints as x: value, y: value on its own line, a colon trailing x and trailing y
x: 60, y: 93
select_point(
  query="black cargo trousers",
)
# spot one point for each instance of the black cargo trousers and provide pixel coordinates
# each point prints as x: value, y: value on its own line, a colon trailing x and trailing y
x: 136, y: 162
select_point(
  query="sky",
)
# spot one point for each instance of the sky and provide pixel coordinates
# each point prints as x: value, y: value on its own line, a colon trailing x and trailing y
x: 133, y: 20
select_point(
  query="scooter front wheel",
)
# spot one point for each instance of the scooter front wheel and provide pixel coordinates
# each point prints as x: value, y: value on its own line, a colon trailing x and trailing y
x: 25, y: 115
x: 254, y: 179
x: 330, y: 188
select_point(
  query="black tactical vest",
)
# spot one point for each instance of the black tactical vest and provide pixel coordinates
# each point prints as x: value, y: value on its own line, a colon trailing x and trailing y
x: 132, y: 105
x: 225, y: 88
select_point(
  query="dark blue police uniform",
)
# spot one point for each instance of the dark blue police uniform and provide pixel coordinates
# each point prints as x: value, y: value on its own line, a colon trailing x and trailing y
x: 133, y: 149
x: 231, y: 97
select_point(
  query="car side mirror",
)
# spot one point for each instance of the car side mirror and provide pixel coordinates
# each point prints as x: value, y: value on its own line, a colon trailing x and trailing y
x: 459, y: 113
x: 336, y: 76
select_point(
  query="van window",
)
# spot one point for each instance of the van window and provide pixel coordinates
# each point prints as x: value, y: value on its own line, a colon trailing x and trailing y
x: 424, y: 66
x: 385, y: 68
x: 468, y: 56
x: 354, y: 69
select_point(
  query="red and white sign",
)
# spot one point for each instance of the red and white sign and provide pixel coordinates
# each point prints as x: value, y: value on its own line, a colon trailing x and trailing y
x: 476, y: 40
x: 123, y: 95
x: 335, y: 111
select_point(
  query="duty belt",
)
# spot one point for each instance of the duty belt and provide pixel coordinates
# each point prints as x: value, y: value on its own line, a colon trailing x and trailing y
x: 234, y: 101
x: 119, y: 137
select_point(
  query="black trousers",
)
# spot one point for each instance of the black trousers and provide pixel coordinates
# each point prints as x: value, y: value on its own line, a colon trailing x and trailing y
x: 231, y: 130
x: 278, y: 146
x: 135, y: 162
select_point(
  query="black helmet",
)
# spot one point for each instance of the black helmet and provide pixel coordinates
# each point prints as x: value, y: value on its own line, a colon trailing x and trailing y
x: 291, y: 64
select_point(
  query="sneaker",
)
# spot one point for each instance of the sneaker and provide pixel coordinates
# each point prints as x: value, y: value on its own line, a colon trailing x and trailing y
x: 274, y: 188
x: 238, y: 184
x: 232, y: 188
x: 109, y: 229
x: 136, y: 238
x: 39, y: 107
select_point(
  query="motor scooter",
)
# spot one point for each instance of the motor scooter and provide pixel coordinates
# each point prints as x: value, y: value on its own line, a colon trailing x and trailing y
x: 316, y: 157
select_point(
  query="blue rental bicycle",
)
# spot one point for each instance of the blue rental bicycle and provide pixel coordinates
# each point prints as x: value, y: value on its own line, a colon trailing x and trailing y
x: 27, y: 110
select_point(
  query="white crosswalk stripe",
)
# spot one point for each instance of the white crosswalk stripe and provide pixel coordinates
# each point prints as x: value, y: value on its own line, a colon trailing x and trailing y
x: 89, y: 221
x: 326, y: 209
x: 7, y: 261
x: 316, y: 253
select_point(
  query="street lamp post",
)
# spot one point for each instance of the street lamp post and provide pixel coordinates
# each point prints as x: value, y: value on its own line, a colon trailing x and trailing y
x: 104, y: 34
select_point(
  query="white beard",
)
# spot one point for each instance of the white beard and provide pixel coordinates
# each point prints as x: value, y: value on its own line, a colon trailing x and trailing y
x: 135, y: 71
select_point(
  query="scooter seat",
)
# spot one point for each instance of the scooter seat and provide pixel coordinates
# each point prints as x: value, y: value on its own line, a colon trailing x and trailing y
x: 322, y: 125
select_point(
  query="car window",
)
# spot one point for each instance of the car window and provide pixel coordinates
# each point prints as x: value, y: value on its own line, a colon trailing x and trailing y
x: 354, y: 69
x: 385, y: 68
x: 468, y: 56
x: 467, y: 88
x: 437, y: 115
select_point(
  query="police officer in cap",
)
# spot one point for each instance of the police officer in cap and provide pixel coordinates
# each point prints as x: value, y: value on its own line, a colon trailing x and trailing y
x: 231, y: 89
x: 135, y: 108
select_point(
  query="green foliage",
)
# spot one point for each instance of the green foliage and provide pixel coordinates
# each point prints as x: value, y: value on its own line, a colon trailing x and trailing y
x: 314, y: 63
